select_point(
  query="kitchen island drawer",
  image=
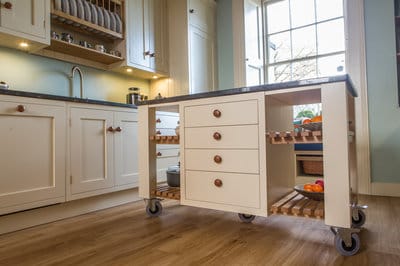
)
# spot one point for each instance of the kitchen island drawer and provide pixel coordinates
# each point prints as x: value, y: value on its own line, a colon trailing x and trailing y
x: 224, y: 188
x: 225, y: 137
x: 222, y: 114
x: 234, y: 161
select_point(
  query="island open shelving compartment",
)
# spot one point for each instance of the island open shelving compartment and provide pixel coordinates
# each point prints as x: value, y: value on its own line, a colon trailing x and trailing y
x: 237, y: 154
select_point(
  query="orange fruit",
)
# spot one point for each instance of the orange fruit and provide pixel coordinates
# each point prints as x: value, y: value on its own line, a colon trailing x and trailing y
x: 306, y: 121
x: 317, y: 188
x: 317, y: 118
x: 308, y: 187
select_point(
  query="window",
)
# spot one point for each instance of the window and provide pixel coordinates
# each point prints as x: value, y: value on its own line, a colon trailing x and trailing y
x: 304, y: 39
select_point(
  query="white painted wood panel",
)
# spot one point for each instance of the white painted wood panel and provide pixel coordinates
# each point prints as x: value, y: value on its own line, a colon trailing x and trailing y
x: 232, y: 113
x: 232, y: 137
x: 233, y: 161
x: 126, y: 155
x: 91, y: 150
x: 236, y: 189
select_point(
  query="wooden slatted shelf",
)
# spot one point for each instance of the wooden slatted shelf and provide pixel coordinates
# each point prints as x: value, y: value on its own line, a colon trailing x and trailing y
x: 75, y: 23
x: 165, y: 139
x: 298, y: 205
x: 290, y: 137
x: 82, y: 52
x: 165, y: 191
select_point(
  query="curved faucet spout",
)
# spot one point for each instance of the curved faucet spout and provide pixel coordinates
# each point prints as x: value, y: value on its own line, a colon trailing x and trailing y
x: 75, y: 68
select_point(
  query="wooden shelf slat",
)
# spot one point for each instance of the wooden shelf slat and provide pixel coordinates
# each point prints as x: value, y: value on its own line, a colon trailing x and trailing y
x: 165, y: 191
x: 77, y: 23
x: 298, y: 205
x: 82, y: 52
x: 291, y: 137
x: 165, y: 139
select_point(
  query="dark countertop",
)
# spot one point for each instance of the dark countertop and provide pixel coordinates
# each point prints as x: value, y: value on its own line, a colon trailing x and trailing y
x: 266, y: 87
x: 63, y: 98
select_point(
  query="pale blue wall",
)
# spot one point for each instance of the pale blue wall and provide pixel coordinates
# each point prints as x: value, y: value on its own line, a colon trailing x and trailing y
x: 225, y: 44
x: 26, y: 72
x: 384, y: 112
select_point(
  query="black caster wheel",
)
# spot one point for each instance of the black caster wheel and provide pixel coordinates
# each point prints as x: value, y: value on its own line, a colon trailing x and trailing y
x: 156, y: 211
x: 360, y: 221
x: 345, y: 250
x: 246, y: 218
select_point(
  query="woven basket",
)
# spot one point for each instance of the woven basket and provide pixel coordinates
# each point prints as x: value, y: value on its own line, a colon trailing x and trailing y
x: 313, y: 167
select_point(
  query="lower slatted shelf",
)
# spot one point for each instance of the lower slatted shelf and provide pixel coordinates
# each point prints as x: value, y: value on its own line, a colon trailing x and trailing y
x: 298, y: 205
x: 168, y: 192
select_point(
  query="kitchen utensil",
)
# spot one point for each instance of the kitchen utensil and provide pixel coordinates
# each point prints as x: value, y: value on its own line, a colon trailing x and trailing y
x: 4, y: 85
x: 66, y: 37
x: 85, y: 44
x: 100, y: 48
x: 54, y: 35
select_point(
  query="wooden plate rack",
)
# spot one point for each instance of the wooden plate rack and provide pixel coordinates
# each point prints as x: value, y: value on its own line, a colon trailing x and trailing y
x: 298, y: 205
x: 168, y: 192
x: 291, y: 137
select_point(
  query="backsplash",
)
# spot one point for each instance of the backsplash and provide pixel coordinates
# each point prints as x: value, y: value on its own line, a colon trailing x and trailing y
x: 27, y: 72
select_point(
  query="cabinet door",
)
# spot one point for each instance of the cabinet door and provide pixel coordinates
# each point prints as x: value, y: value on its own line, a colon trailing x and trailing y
x: 32, y: 155
x: 126, y: 149
x: 137, y: 32
x: 159, y: 37
x: 91, y: 149
x: 26, y: 17
x: 202, y: 61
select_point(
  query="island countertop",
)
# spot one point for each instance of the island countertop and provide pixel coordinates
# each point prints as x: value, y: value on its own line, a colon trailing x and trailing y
x: 265, y: 87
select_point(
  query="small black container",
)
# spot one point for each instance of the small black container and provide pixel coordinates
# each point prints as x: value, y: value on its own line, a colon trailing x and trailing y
x: 174, y: 176
x: 133, y: 97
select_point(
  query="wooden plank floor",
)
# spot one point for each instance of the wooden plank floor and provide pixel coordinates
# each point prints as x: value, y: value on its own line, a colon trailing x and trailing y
x: 194, y: 236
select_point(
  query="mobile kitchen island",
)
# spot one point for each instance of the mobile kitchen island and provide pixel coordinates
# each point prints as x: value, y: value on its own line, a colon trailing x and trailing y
x: 237, y: 153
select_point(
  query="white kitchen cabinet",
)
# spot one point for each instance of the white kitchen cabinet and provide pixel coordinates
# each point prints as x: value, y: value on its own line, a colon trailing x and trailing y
x: 147, y: 35
x: 27, y: 21
x: 103, y: 147
x: 33, y: 152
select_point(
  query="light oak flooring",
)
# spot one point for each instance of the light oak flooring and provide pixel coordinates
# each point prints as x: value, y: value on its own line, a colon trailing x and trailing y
x: 192, y: 236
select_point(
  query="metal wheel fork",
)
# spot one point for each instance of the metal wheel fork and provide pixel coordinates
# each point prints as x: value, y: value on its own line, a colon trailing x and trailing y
x: 345, y: 234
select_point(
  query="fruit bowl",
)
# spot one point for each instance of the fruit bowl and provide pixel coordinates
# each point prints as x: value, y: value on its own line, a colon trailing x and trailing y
x: 311, y: 195
x: 314, y: 126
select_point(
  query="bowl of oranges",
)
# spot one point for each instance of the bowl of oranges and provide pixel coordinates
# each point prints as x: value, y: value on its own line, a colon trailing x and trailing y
x: 312, y: 124
x: 314, y: 191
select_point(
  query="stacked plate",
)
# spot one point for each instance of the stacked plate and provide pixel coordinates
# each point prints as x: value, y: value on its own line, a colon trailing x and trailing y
x: 92, y: 13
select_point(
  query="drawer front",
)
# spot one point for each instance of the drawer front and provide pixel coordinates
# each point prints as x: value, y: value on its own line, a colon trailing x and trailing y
x: 234, y: 161
x: 226, y: 137
x: 231, y: 113
x: 166, y: 121
x: 235, y: 189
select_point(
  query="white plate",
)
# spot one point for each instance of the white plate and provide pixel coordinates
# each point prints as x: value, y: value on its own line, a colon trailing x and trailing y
x: 80, y: 9
x: 73, y: 11
x: 118, y: 23
x: 57, y: 5
x: 93, y: 11
x: 88, y: 13
x: 100, y: 18
x: 106, y: 16
x: 65, y: 6
x: 113, y: 21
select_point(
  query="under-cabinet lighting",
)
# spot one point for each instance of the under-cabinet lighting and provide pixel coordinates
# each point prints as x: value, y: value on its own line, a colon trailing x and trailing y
x: 155, y: 77
x: 23, y: 44
x: 129, y: 70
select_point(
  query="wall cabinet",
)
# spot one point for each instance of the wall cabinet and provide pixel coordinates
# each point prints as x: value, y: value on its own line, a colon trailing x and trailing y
x: 32, y: 153
x: 28, y: 22
x: 147, y: 46
x: 103, y: 151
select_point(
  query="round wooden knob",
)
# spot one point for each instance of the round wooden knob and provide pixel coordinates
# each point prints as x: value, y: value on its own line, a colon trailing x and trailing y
x: 118, y: 129
x: 217, y: 159
x: 21, y: 108
x: 218, y: 182
x: 7, y: 5
x: 217, y: 113
x: 158, y: 120
x: 217, y: 136
x: 159, y: 154
x: 110, y: 129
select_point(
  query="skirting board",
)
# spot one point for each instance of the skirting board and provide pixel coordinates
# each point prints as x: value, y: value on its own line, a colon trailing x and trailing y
x: 34, y: 217
x: 386, y: 189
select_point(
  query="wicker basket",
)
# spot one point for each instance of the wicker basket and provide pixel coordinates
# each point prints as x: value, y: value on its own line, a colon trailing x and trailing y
x: 313, y: 167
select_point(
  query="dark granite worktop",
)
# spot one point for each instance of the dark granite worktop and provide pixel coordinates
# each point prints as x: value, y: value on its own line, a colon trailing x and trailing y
x: 62, y: 98
x: 266, y: 87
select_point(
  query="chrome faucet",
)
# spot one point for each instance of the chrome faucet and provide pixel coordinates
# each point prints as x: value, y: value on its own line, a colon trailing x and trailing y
x: 80, y: 77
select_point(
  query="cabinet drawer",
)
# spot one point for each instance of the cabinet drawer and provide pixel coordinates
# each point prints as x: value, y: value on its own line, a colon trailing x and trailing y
x: 234, y: 161
x: 236, y: 189
x: 231, y: 113
x: 226, y: 137
x: 163, y: 120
